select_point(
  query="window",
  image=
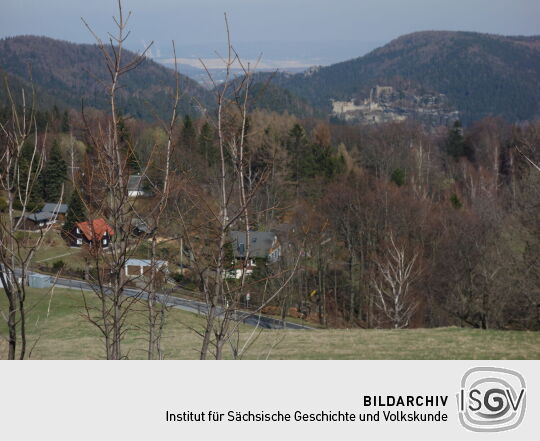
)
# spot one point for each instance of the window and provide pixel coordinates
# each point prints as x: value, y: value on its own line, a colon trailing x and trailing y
x: 79, y: 241
x: 77, y: 230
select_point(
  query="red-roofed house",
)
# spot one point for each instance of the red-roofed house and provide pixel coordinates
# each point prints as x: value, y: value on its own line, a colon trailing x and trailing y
x: 93, y: 233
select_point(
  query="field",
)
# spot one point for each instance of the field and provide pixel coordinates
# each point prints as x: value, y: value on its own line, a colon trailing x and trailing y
x: 55, y: 249
x: 60, y: 332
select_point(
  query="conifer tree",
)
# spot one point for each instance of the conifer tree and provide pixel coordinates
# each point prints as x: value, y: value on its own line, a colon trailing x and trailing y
x: 65, y: 122
x: 398, y: 177
x: 206, y: 144
x: 297, y: 144
x: 189, y: 135
x: 76, y: 211
x: 54, y: 175
x: 455, y: 143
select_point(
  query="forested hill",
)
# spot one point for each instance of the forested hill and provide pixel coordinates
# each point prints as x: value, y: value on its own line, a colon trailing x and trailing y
x: 64, y: 73
x: 481, y: 74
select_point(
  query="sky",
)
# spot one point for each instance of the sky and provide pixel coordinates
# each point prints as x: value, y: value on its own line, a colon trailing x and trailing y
x: 281, y: 29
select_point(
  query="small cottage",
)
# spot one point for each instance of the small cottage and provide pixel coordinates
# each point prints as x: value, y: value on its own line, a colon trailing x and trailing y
x: 49, y: 214
x: 96, y: 233
x: 36, y: 221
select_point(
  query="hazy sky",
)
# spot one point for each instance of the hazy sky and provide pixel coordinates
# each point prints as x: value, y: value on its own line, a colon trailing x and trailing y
x: 191, y: 22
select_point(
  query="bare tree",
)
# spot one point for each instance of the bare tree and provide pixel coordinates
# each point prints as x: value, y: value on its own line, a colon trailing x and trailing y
x: 108, y: 173
x: 529, y: 280
x: 529, y: 160
x: 232, y: 112
x: 225, y: 205
x: 392, y: 282
x: 157, y: 305
x: 21, y: 162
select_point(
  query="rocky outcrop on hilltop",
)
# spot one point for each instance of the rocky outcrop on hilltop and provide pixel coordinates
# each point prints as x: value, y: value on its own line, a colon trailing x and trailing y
x: 386, y: 104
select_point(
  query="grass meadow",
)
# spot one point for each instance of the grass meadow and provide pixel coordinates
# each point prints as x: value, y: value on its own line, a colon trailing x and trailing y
x: 58, y: 330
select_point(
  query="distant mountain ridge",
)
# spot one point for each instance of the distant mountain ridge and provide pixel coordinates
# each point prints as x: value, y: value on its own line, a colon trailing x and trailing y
x: 475, y: 75
x: 65, y: 73
x: 481, y: 74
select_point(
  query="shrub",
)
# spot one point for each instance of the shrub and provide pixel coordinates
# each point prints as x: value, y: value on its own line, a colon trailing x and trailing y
x: 58, y: 265
x: 456, y: 202
x: 398, y: 177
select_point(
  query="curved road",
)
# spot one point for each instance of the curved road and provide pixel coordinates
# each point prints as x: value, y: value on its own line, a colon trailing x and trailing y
x: 195, y: 306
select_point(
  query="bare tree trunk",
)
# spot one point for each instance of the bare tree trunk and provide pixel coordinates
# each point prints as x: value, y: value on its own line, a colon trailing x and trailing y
x: 19, y: 176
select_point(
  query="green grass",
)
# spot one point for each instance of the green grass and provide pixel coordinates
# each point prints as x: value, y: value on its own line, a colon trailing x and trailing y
x: 56, y: 323
x: 54, y: 248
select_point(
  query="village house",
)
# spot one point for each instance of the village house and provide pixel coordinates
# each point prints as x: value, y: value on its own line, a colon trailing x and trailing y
x: 96, y: 233
x: 49, y: 214
x: 36, y: 221
x: 262, y: 245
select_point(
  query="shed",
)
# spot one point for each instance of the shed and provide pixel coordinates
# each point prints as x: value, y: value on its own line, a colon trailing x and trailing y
x: 139, y: 267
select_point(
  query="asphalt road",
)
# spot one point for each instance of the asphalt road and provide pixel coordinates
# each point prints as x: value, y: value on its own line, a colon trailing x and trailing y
x: 194, y: 306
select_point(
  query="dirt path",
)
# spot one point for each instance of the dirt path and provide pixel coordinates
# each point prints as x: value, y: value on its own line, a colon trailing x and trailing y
x: 57, y: 257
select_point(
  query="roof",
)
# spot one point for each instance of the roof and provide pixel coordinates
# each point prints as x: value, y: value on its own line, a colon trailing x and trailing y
x: 141, y: 225
x: 145, y: 262
x: 97, y: 227
x: 41, y: 216
x: 135, y: 183
x: 261, y: 243
x: 55, y: 208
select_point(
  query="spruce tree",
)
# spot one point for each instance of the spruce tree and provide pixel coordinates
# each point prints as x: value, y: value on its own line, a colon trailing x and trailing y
x: 56, y: 121
x: 189, y: 135
x: 126, y: 144
x: 65, y: 122
x: 56, y: 112
x: 297, y: 146
x: 76, y: 211
x: 398, y: 177
x: 54, y: 175
x: 455, y: 201
x: 206, y: 144
x: 311, y: 160
x: 455, y: 143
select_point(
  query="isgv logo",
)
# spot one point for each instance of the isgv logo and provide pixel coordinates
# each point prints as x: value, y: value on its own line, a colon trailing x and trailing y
x: 491, y: 399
